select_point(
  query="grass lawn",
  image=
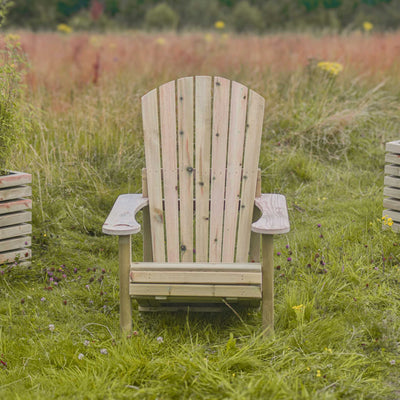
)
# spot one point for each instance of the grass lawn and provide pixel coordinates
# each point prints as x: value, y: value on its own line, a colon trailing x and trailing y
x: 337, y: 277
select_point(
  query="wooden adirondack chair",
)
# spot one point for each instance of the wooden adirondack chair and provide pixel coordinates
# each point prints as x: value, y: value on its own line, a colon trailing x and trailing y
x: 201, y: 185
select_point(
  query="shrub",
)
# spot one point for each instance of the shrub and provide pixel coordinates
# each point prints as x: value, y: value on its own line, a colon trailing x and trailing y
x: 10, y: 80
x: 161, y: 17
x: 247, y: 18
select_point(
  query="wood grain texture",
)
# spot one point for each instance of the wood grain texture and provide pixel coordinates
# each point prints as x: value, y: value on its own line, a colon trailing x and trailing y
x: 395, y: 215
x: 186, y: 166
x: 15, y: 218
x: 125, y: 304
x: 393, y: 147
x: 240, y: 291
x: 392, y: 158
x: 146, y: 225
x: 237, y: 125
x: 197, y: 267
x: 122, y: 218
x: 202, y: 154
x: 11, y: 256
x: 17, y: 192
x: 393, y: 204
x: 15, y: 178
x: 194, y: 277
x: 391, y: 192
x: 15, y: 205
x: 274, y: 218
x: 170, y: 168
x: 218, y: 165
x: 392, y: 181
x: 254, y: 250
x: 392, y: 170
x: 14, y: 231
x: 153, y: 163
x: 15, y: 243
x: 255, y: 116
x: 267, y: 284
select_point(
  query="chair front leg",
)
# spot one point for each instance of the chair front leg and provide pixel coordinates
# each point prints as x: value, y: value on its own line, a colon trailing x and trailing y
x: 267, y: 284
x: 124, y: 267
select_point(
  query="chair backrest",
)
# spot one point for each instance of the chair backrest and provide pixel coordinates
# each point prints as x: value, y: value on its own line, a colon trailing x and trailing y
x: 202, y: 143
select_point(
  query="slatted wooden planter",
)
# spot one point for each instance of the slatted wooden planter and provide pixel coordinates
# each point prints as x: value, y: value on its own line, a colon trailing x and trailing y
x: 15, y: 227
x: 391, y: 191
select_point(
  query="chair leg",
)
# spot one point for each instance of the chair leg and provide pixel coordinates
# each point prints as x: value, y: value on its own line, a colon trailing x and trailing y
x: 268, y: 284
x: 124, y: 298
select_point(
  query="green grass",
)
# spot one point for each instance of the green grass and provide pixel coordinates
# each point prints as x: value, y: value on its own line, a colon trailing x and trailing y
x: 323, y: 147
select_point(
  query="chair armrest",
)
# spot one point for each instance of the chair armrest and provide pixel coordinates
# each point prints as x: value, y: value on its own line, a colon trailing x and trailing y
x: 122, y: 218
x: 274, y: 218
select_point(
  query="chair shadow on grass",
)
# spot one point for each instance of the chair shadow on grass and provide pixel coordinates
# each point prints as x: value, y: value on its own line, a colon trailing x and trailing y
x: 242, y: 320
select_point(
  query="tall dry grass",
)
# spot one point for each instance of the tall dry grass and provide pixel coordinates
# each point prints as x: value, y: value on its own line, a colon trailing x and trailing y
x: 60, y: 63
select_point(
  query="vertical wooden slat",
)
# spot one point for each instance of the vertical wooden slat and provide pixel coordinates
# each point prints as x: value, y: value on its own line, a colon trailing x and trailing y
x: 170, y: 170
x: 237, y: 124
x: 218, y: 165
x: 186, y: 167
x: 203, y: 141
x: 153, y: 163
x: 254, y: 250
x: 255, y: 115
x: 146, y: 227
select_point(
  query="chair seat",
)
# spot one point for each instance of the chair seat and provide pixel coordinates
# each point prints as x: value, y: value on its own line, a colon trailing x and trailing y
x: 173, y: 283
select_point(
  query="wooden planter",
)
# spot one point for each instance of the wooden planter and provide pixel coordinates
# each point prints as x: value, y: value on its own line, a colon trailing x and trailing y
x: 391, y: 191
x: 15, y: 229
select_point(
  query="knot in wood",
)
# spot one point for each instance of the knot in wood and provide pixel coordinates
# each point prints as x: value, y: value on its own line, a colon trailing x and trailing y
x: 183, y: 247
x: 189, y: 169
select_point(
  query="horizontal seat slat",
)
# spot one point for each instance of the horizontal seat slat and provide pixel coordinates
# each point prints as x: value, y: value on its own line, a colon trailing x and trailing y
x: 199, y: 267
x: 239, y: 291
x: 252, y: 278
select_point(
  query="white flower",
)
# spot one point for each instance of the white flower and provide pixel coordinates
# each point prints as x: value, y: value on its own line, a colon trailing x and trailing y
x: 52, y: 327
x: 86, y: 343
x: 80, y: 356
x: 104, y: 351
x: 160, y: 339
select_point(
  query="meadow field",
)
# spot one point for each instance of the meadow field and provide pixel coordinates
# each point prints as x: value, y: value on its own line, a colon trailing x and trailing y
x: 337, y: 277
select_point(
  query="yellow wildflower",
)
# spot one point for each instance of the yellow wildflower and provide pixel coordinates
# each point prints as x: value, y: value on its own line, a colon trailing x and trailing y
x: 328, y: 350
x: 161, y: 41
x: 332, y: 67
x: 300, y: 307
x: 220, y: 25
x: 367, y: 26
x: 64, y: 28
x: 318, y: 373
